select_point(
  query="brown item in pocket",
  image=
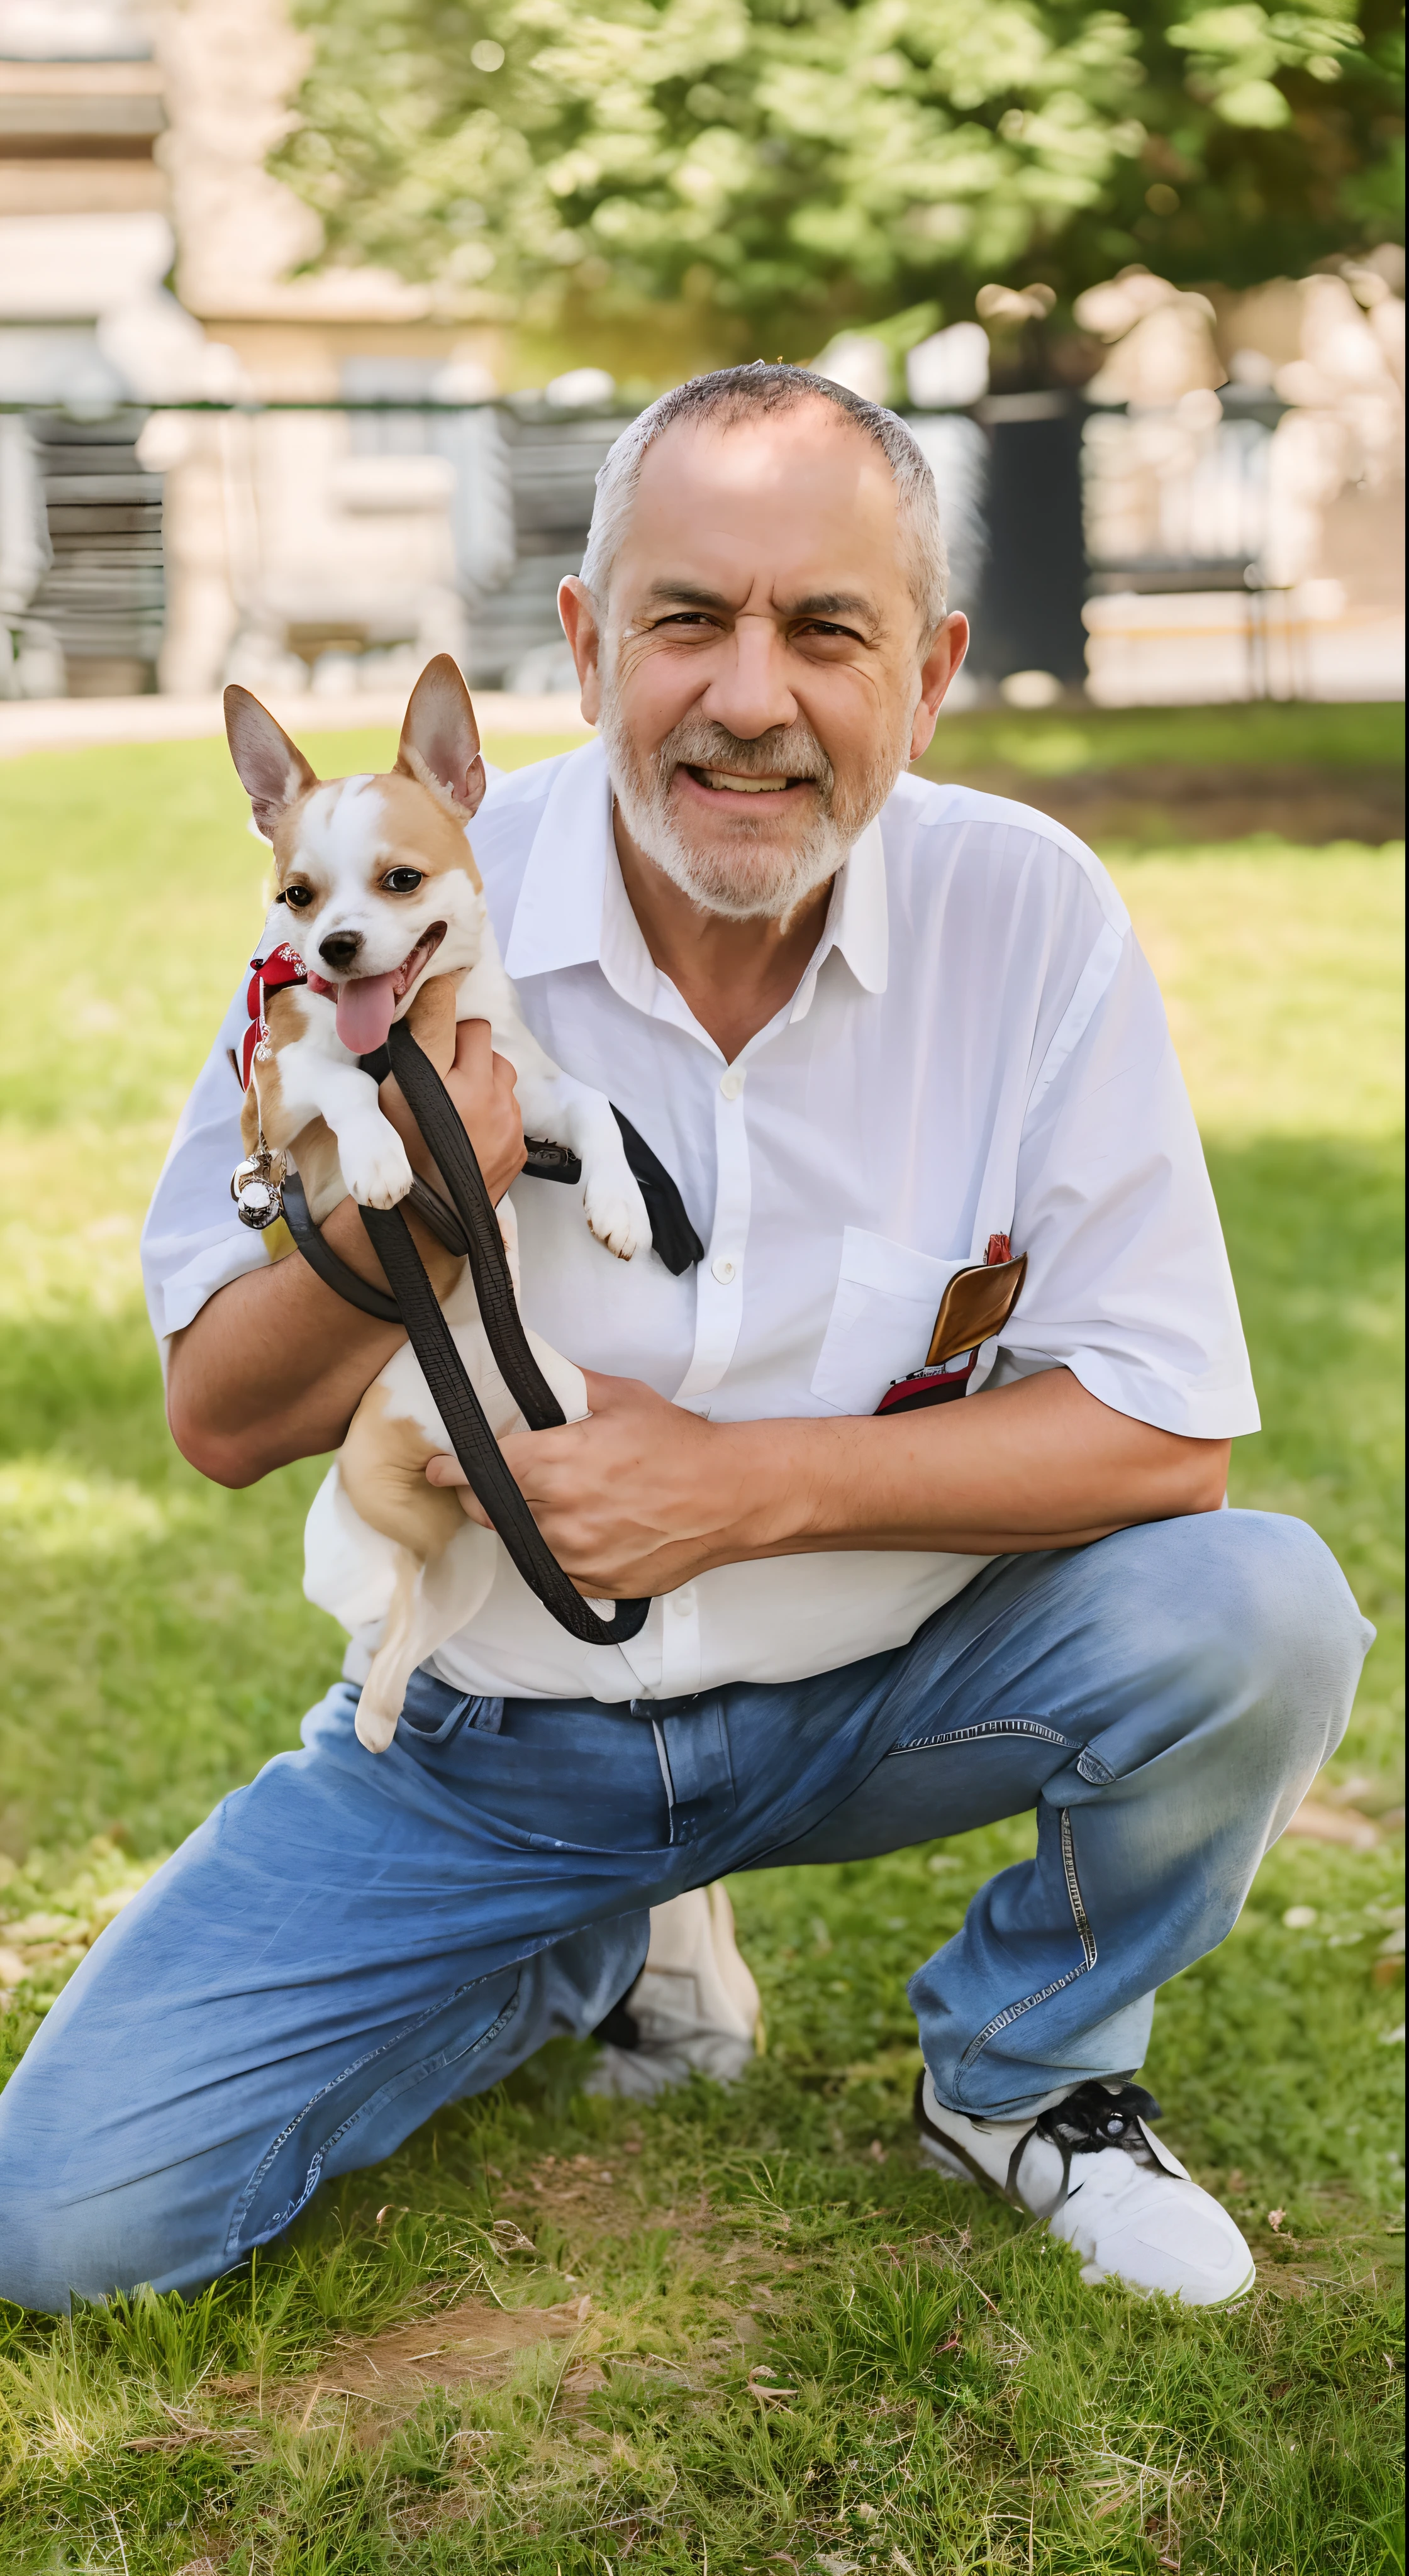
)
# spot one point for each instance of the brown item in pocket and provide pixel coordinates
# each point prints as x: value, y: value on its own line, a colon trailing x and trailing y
x: 975, y: 1305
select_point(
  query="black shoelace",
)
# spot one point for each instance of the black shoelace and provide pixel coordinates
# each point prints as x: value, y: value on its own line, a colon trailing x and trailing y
x: 1085, y: 2124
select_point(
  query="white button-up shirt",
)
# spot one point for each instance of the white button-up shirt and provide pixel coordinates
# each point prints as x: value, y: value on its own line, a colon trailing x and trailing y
x: 977, y: 1047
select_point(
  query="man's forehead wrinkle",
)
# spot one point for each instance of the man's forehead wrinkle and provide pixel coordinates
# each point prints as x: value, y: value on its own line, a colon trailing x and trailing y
x: 714, y: 463
x: 813, y: 542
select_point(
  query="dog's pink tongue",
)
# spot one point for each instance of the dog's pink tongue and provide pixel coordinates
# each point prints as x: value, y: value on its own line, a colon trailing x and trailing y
x: 364, y: 1013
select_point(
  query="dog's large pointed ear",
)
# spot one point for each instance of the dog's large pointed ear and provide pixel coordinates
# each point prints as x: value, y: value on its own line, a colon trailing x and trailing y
x: 440, y: 739
x: 271, y: 768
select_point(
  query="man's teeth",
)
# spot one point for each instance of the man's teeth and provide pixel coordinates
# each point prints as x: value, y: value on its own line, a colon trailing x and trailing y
x: 739, y: 786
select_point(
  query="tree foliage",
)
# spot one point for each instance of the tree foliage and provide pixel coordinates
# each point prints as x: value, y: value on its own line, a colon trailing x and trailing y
x: 789, y: 165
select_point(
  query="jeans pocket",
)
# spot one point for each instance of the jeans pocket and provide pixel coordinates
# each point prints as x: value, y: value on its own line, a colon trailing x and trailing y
x: 424, y: 1727
x: 376, y: 2101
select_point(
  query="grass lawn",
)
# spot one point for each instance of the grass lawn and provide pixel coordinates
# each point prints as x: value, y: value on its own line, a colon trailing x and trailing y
x: 737, y: 2331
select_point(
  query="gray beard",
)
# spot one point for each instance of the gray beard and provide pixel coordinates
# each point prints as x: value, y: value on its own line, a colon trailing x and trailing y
x: 752, y: 877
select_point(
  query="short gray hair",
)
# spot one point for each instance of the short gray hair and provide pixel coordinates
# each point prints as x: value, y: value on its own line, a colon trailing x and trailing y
x: 734, y: 394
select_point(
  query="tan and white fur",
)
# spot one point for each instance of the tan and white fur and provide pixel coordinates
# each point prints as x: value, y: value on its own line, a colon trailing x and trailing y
x: 383, y: 902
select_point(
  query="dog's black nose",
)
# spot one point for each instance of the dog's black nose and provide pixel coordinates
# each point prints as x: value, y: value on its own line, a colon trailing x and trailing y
x: 339, y: 949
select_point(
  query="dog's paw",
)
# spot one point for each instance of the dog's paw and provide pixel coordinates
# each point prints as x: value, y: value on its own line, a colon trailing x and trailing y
x: 375, y: 1728
x: 617, y: 1216
x: 377, y: 1172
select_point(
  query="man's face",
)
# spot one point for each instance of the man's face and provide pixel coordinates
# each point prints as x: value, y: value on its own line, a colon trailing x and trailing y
x: 760, y: 675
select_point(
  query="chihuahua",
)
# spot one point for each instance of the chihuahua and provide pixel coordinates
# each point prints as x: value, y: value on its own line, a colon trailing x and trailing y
x: 386, y: 918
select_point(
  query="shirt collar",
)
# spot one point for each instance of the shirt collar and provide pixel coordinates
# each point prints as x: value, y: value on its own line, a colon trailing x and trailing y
x: 857, y: 923
x: 558, y: 917
x: 573, y: 908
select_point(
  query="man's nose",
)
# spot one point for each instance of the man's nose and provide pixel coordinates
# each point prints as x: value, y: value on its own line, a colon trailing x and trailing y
x: 339, y: 949
x: 749, y: 692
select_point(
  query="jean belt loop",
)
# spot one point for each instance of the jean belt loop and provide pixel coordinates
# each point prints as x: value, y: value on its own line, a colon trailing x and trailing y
x: 696, y: 1752
x: 663, y: 1758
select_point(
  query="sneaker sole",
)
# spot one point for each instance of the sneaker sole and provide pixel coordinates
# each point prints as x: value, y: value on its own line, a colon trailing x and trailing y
x: 946, y: 2154
x: 949, y: 2165
x: 1095, y: 2278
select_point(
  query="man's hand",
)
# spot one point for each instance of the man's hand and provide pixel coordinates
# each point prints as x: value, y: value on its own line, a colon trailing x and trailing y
x: 643, y: 1496
x: 636, y: 1499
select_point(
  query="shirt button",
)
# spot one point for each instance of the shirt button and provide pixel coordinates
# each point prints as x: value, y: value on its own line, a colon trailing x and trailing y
x: 724, y: 1269
x: 732, y: 1083
x: 682, y: 1603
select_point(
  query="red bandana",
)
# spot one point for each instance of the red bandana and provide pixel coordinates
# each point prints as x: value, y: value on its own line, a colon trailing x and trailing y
x: 283, y: 965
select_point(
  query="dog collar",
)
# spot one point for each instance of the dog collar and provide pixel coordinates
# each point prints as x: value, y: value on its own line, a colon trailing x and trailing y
x: 283, y: 965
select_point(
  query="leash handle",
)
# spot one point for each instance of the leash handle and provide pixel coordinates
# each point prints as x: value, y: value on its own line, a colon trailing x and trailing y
x: 473, y: 1441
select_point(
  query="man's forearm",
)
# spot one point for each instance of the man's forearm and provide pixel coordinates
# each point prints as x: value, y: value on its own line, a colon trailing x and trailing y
x: 1032, y: 1465
x: 642, y: 1496
x: 275, y: 1366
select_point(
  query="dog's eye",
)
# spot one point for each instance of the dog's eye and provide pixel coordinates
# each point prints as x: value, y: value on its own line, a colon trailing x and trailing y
x: 402, y: 880
x: 299, y: 896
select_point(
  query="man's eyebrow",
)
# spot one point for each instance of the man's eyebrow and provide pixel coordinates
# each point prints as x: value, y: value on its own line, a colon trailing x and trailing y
x: 822, y: 603
x: 833, y: 603
x: 685, y: 594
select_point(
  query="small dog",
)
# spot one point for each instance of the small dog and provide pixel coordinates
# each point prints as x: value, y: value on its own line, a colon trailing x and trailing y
x: 378, y: 885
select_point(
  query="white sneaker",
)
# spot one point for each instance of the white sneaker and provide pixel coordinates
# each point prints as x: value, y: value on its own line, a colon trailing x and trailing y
x: 693, y: 2010
x: 1093, y: 2167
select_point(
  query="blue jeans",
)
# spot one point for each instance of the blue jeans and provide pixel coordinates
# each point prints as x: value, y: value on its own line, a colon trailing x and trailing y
x: 352, y: 1941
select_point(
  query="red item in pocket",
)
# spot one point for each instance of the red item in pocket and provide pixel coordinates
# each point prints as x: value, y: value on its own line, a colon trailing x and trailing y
x: 926, y: 1387
x: 976, y: 1304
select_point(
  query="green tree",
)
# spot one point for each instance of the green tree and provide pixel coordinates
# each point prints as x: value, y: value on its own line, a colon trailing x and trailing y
x: 788, y: 166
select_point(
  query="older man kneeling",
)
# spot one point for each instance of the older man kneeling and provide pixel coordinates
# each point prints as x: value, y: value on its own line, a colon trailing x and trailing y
x: 868, y: 1024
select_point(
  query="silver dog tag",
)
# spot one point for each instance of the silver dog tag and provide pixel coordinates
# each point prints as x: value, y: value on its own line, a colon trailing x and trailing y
x: 257, y: 1189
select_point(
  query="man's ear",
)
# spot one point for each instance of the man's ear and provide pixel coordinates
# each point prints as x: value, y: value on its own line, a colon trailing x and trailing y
x: 272, y: 769
x: 440, y: 739
x: 948, y: 646
x: 578, y: 611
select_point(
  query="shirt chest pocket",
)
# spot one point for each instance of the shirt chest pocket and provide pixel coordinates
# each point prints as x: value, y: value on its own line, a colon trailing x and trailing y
x: 881, y: 1321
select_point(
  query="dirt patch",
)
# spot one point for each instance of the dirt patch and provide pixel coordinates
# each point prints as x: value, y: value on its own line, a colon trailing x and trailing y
x: 591, y: 2196
x: 384, y: 2376
x: 1176, y: 802
x: 475, y: 2341
x: 476, y: 2344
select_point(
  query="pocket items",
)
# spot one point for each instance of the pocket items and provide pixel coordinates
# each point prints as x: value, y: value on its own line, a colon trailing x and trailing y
x: 881, y: 1320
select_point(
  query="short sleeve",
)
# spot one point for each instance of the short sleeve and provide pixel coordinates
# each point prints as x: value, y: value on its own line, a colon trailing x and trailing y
x: 193, y: 1242
x: 1128, y: 1280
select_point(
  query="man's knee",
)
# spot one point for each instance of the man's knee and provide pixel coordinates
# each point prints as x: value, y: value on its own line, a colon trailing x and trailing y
x: 54, y: 2246
x: 1242, y: 1642
x: 1274, y: 1614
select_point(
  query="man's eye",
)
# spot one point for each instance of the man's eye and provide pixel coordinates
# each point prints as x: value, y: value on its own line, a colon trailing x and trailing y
x: 299, y: 896
x: 402, y: 880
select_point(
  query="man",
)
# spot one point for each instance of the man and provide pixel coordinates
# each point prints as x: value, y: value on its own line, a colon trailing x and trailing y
x: 868, y: 1024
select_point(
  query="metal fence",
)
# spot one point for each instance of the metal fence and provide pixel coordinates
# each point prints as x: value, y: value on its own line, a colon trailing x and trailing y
x: 333, y: 546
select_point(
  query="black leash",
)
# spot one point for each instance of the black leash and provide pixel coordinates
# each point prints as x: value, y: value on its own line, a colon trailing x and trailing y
x: 474, y: 1443
x: 470, y: 1227
x: 440, y: 1123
